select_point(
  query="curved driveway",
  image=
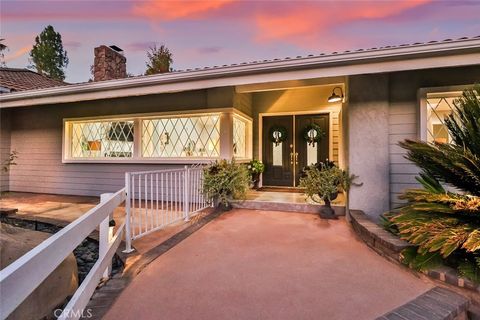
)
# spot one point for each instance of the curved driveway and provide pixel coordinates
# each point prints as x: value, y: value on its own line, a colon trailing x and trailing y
x: 250, y: 264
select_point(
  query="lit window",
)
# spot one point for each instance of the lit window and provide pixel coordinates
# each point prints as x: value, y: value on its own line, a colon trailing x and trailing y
x: 102, y: 139
x: 193, y: 136
x: 161, y: 138
x: 438, y: 109
x: 239, y: 137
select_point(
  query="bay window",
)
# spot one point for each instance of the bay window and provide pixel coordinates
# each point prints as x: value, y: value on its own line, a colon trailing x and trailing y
x: 164, y: 138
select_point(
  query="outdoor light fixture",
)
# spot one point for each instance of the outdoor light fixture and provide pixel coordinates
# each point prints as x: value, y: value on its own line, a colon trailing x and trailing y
x: 335, y: 97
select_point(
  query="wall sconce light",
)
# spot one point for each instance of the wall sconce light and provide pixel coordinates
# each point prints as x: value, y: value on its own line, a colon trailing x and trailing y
x: 335, y: 97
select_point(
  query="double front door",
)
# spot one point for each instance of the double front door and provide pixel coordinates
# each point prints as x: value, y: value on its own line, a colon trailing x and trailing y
x: 290, y: 143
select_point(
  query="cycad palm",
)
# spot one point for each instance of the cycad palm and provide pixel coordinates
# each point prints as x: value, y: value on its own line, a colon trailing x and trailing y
x: 438, y: 221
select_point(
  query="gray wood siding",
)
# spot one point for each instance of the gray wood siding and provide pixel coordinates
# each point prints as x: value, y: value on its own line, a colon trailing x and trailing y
x: 4, y: 148
x: 404, y: 115
x: 402, y: 125
x: 36, y: 133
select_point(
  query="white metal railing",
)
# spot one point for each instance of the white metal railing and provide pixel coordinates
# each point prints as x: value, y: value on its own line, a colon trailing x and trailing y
x: 159, y: 198
x: 20, y: 278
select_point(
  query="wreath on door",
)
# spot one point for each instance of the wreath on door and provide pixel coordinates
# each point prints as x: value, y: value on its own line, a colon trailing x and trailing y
x: 278, y: 134
x: 313, y: 133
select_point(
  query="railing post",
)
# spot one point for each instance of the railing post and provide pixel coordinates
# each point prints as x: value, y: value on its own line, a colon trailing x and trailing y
x: 106, y: 234
x: 186, y: 194
x: 128, y: 219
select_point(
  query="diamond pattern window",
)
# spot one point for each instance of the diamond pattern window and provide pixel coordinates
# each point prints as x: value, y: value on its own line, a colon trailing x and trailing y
x: 438, y: 109
x: 102, y: 139
x: 239, y: 137
x: 181, y: 137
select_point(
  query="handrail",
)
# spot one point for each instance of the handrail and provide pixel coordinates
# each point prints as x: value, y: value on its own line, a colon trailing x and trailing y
x: 19, y: 279
x: 77, y: 303
x: 159, y: 198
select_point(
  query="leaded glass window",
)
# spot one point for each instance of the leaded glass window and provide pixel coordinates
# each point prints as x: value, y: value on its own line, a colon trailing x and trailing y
x: 239, y: 137
x: 102, y: 139
x: 438, y: 108
x: 192, y: 136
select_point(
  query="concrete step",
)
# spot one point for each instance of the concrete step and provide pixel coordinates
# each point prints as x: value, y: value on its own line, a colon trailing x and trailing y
x: 435, y: 304
x: 285, y: 206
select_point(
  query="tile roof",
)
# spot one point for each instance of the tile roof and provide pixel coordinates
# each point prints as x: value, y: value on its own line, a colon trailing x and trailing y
x: 332, y: 54
x: 16, y: 79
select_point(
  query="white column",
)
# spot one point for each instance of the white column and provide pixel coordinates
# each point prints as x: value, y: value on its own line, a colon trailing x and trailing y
x: 226, y: 135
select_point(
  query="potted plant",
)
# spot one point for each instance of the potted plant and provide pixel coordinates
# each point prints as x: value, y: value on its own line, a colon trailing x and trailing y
x: 322, y: 182
x: 255, y: 168
x: 224, y: 181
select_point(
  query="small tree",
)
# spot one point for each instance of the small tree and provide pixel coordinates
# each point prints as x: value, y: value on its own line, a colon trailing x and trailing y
x: 48, y: 55
x: 159, y: 60
x: 3, y: 47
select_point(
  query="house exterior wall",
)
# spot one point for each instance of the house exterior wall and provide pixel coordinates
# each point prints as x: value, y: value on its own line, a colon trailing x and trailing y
x: 404, y: 117
x: 368, y: 130
x: 383, y: 110
x: 37, y: 133
x: 299, y: 100
x: 4, y: 148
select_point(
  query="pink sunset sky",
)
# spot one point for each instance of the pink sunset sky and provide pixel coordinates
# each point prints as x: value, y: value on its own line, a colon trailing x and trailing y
x: 207, y: 33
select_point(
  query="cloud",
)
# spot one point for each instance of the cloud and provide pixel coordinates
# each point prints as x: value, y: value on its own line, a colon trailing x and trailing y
x: 140, y: 46
x: 72, y: 45
x: 66, y: 10
x: 209, y: 50
x: 17, y: 54
x: 174, y: 10
x: 307, y: 23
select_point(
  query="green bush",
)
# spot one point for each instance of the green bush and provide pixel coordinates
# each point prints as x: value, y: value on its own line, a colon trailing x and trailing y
x: 225, y: 180
x: 324, y: 180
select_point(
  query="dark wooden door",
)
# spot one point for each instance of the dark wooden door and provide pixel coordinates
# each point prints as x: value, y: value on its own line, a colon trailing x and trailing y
x: 305, y: 153
x: 278, y: 159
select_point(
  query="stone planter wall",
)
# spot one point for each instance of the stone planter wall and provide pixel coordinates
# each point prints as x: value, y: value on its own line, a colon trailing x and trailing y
x: 390, y: 246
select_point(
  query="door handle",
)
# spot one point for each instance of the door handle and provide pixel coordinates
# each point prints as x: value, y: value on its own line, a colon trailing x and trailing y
x: 296, y: 158
x: 291, y: 158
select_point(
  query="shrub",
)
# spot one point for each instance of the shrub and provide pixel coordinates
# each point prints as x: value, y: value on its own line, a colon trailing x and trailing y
x: 438, y: 222
x: 255, y: 167
x: 323, y: 181
x: 225, y: 180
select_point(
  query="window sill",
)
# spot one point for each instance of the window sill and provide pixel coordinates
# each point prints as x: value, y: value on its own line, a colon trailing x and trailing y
x: 143, y: 161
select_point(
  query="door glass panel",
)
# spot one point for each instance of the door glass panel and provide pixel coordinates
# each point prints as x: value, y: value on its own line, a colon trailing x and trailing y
x: 277, y: 153
x: 312, y: 153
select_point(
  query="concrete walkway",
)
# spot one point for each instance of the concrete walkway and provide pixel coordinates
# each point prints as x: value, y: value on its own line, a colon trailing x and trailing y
x: 268, y: 265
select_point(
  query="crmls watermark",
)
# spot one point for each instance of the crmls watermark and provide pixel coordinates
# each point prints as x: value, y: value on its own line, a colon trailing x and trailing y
x: 84, y: 313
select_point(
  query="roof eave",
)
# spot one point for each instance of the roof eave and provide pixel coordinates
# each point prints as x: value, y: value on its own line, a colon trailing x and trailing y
x: 444, y: 49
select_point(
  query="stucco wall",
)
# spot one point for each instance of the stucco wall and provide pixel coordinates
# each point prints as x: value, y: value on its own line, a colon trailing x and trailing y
x: 368, y: 142
x: 4, y: 147
x: 36, y: 133
x: 299, y: 100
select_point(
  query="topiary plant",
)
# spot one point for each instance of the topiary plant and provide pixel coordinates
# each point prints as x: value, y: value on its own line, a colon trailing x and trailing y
x: 323, y: 181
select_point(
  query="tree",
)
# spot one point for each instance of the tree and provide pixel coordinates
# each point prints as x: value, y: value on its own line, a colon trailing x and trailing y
x: 159, y: 60
x: 48, y: 55
x: 3, y: 47
x: 440, y: 223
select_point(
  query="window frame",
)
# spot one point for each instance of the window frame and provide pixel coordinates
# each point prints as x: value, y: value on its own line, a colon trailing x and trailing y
x: 433, y: 92
x: 223, y: 113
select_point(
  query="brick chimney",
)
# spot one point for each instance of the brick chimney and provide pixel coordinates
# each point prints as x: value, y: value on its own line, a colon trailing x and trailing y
x: 109, y: 63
